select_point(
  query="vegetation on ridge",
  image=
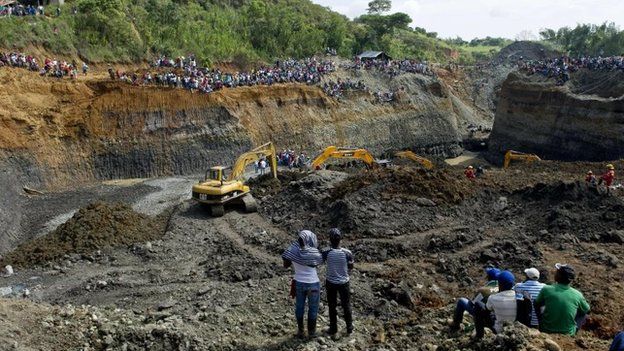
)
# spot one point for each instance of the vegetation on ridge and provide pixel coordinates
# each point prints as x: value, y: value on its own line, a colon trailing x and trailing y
x: 220, y: 30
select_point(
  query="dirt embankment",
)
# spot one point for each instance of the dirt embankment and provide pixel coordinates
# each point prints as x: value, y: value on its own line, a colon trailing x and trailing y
x: 557, y: 122
x: 58, y: 133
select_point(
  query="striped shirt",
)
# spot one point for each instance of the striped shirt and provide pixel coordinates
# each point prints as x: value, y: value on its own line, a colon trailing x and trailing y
x: 504, y: 306
x: 337, y: 265
x: 533, y: 288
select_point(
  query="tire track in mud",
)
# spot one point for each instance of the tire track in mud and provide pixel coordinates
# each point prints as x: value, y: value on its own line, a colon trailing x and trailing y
x: 227, y: 227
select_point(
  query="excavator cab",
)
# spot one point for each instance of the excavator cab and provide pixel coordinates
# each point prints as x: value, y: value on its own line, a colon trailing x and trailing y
x: 218, y: 173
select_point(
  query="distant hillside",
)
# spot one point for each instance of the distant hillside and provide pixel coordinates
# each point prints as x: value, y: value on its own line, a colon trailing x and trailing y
x: 217, y: 30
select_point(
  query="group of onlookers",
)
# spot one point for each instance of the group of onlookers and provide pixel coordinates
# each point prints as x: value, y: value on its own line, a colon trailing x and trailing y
x: 18, y: 59
x: 556, y: 308
x: 392, y: 68
x: 51, y: 67
x: 21, y: 10
x: 185, y: 73
x: 290, y: 159
x: 337, y: 89
x: 304, y: 256
x: 561, y: 67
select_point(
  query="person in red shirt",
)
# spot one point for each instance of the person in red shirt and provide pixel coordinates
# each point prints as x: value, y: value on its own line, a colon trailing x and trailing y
x: 608, y: 177
x: 470, y: 173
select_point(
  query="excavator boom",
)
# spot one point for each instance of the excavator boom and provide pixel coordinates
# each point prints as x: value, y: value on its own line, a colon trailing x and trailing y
x: 516, y: 155
x: 342, y: 152
x: 267, y: 150
x: 412, y: 156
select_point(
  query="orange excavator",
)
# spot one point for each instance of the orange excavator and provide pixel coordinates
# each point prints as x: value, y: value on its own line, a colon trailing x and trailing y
x: 511, y: 155
x: 343, y: 153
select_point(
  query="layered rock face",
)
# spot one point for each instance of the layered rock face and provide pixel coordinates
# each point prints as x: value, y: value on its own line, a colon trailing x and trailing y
x: 556, y: 123
x: 56, y: 134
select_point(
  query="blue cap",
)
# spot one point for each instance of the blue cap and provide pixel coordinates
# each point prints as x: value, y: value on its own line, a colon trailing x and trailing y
x: 506, y: 280
x: 492, y: 273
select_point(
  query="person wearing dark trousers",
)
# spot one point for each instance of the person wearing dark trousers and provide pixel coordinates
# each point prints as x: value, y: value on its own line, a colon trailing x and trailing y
x: 339, y: 262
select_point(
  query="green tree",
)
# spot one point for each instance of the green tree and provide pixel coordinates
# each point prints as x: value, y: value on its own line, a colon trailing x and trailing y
x: 377, y: 7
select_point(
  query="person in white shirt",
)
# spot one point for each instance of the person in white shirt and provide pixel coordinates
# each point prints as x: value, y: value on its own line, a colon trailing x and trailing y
x: 303, y: 255
x: 503, y: 304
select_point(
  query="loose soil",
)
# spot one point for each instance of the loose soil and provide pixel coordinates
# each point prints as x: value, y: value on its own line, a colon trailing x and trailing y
x: 421, y: 239
x: 94, y: 227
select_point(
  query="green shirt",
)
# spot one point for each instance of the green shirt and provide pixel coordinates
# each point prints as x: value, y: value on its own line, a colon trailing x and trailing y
x: 561, y: 303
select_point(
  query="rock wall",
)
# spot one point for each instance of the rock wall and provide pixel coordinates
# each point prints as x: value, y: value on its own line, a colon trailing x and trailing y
x: 62, y: 133
x: 536, y: 116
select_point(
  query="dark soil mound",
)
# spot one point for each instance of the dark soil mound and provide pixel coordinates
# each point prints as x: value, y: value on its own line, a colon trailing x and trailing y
x: 94, y: 227
x: 267, y: 185
x: 527, y: 50
x: 583, y: 212
x: 439, y: 185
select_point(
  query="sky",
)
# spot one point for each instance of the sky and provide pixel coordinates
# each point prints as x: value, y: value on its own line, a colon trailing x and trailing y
x: 470, y: 19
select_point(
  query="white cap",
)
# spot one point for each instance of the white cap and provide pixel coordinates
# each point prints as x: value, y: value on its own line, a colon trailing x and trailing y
x: 532, y: 273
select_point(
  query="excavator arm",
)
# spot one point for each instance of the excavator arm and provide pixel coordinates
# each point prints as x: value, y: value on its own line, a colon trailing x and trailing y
x: 516, y: 155
x: 412, y: 156
x: 341, y: 152
x: 267, y: 150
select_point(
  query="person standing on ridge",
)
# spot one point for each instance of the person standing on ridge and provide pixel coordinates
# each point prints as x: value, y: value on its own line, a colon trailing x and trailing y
x: 590, y: 179
x: 608, y: 177
x: 339, y: 262
x: 470, y: 173
x: 303, y: 255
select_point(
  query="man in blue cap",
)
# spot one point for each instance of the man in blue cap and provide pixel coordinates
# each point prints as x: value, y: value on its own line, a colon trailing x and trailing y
x: 466, y: 305
x: 503, y: 303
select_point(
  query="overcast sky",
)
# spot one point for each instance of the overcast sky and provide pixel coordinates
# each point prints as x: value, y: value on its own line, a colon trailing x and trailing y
x: 480, y: 18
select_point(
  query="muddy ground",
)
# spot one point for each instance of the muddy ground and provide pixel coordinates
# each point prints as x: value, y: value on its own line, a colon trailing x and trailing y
x: 420, y: 238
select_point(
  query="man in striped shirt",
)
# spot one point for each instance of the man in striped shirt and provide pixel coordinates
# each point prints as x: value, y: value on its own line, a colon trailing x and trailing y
x: 339, y: 263
x: 532, y: 287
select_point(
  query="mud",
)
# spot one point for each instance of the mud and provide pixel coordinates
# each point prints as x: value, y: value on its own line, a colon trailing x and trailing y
x: 92, y: 228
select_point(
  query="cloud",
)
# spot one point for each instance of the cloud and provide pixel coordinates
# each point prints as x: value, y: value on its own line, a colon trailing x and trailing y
x: 479, y: 18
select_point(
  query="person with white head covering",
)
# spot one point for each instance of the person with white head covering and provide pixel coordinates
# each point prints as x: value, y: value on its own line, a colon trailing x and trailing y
x: 303, y: 255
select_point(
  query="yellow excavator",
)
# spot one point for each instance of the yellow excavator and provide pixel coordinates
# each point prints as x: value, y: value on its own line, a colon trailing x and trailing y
x: 218, y: 189
x: 511, y: 155
x: 345, y: 153
x: 427, y: 164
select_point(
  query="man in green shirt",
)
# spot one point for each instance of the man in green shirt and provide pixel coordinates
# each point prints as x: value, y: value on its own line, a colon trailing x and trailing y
x: 565, y: 308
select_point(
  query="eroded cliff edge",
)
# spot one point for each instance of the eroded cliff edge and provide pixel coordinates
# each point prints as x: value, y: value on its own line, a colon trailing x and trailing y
x: 573, y: 122
x: 55, y: 134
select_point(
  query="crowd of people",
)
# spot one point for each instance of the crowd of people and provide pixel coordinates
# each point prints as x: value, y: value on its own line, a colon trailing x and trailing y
x: 561, y: 67
x: 185, y: 73
x: 337, y: 89
x: 392, y: 68
x: 51, y: 67
x: 289, y: 158
x: 21, y: 10
x: 18, y: 59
